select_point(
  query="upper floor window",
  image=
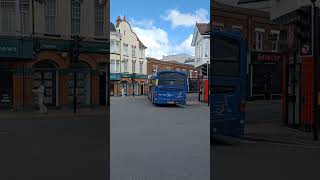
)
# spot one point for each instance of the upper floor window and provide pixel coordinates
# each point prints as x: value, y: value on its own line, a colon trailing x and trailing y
x: 206, y: 48
x: 141, y: 53
x: 99, y: 18
x: 154, y: 68
x: 133, y: 51
x: 259, y: 39
x: 133, y: 66
x: 50, y: 16
x: 75, y: 16
x: 118, y: 66
x: 141, y: 67
x: 125, y: 49
x: 113, y: 66
x: 275, y: 40
x: 7, y: 16
x: 125, y: 65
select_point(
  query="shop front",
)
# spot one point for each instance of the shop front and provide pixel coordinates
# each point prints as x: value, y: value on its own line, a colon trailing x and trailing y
x: 14, y: 53
x: 131, y: 85
x: 265, y: 75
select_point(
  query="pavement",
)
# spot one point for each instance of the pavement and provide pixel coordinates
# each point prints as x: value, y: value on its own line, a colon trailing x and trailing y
x: 54, y: 147
x: 151, y: 142
x: 263, y: 161
x: 264, y: 123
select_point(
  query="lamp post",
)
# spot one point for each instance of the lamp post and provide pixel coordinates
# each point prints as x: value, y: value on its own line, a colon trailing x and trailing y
x: 132, y: 81
x: 316, y: 71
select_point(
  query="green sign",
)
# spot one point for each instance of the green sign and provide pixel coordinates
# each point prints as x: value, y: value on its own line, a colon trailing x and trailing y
x: 16, y: 48
x: 118, y: 76
x: 94, y: 47
x: 56, y: 45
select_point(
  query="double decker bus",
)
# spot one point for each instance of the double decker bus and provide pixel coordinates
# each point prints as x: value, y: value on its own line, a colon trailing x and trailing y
x: 228, y: 78
x: 168, y: 87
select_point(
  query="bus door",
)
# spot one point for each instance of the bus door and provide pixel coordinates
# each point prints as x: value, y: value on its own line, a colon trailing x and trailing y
x: 227, y: 84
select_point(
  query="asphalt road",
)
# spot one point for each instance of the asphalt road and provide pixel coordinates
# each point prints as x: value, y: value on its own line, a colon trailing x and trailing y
x: 263, y: 161
x: 157, y: 143
x: 54, y: 148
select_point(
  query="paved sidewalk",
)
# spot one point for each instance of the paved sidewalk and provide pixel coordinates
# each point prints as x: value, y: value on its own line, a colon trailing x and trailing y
x: 54, y: 113
x: 275, y: 132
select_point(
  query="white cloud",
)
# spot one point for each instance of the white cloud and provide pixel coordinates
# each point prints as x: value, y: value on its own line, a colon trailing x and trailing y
x: 146, y: 23
x: 178, y: 18
x: 157, y: 40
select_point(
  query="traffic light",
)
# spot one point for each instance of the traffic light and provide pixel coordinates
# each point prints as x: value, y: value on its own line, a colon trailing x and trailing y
x: 75, y: 49
x: 204, y: 70
x: 304, y: 27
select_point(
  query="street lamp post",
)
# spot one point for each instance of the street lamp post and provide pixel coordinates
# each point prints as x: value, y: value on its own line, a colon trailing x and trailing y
x: 316, y: 71
x: 132, y: 81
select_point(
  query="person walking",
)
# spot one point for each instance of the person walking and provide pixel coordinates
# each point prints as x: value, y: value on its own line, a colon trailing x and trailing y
x: 40, y: 92
x: 122, y: 92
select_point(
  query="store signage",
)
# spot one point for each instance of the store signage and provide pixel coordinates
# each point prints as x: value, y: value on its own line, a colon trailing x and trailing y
x: 265, y: 57
x: 16, y: 48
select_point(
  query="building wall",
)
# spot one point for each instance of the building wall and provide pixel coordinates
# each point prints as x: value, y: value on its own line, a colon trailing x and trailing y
x: 246, y: 20
x: 130, y: 38
x: 163, y: 65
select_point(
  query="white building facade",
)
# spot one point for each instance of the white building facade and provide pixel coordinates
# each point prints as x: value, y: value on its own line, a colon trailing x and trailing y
x: 127, y: 60
x: 201, y: 42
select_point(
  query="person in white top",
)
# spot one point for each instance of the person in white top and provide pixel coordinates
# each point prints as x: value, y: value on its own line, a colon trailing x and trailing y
x: 40, y: 92
x: 122, y: 92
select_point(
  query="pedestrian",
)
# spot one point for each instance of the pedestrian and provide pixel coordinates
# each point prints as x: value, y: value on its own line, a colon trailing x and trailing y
x: 40, y: 92
x: 122, y: 92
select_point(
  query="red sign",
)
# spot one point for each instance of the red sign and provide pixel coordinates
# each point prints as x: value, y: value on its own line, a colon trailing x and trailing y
x: 290, y: 36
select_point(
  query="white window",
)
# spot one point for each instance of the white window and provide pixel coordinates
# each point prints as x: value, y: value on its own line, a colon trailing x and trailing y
x: 141, y: 67
x: 125, y: 66
x: 113, y: 66
x: 154, y: 68
x: 99, y: 18
x: 206, y: 48
x: 7, y: 16
x: 75, y: 16
x: 25, y: 23
x: 275, y: 40
x: 141, y: 53
x: 51, y: 16
x: 190, y: 73
x: 133, y: 66
x: 237, y: 28
x: 125, y: 49
x: 118, y: 66
x: 117, y: 47
x: 259, y: 40
x: 133, y: 51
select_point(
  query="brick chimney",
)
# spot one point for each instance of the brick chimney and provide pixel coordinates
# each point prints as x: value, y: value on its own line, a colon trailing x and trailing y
x: 118, y: 20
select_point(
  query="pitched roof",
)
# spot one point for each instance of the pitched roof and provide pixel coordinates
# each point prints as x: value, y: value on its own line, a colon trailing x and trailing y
x: 204, y: 28
x: 250, y: 1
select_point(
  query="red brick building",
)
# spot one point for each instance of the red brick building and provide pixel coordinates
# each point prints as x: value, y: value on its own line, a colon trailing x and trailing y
x: 155, y: 65
x: 262, y: 36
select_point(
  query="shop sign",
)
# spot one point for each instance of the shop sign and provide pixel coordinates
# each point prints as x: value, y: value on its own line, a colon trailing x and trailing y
x: 54, y: 45
x: 16, y: 48
x: 265, y: 57
x: 115, y: 77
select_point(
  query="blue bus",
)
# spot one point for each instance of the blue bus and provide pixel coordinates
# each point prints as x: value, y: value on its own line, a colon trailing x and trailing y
x: 168, y: 87
x: 228, y: 76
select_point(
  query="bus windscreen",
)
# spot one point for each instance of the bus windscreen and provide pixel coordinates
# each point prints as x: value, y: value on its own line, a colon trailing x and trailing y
x: 171, y: 79
x: 226, y: 57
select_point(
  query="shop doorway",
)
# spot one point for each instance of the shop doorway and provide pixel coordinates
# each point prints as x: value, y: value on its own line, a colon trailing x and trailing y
x: 141, y: 89
x: 102, y: 89
x: 46, y: 72
x: 5, y: 88
x: 124, y: 85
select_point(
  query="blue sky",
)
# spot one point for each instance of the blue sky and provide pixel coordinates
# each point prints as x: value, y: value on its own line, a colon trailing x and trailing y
x: 164, y: 26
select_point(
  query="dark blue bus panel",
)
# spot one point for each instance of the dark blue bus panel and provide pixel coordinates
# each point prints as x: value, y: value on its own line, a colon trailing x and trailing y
x: 168, y: 87
x: 227, y: 83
